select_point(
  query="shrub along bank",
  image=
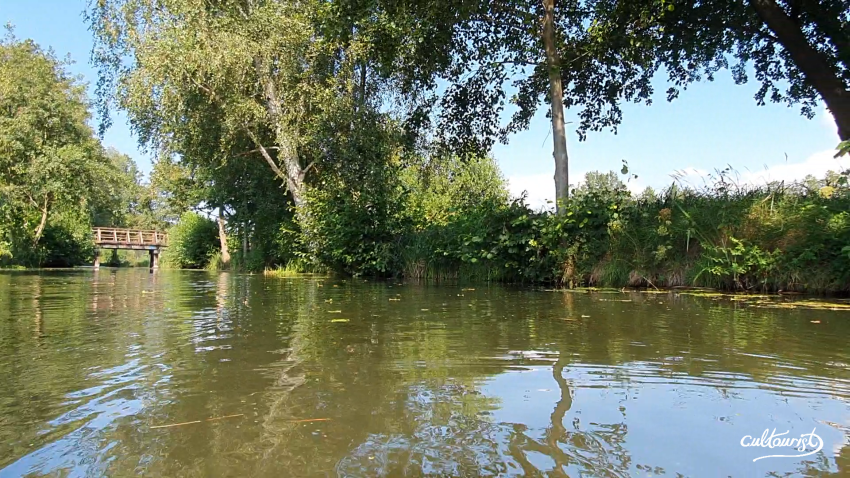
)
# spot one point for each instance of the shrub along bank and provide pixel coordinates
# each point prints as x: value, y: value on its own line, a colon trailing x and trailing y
x: 457, y: 221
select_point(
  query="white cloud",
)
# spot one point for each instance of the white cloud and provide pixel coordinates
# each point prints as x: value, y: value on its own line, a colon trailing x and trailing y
x: 636, y: 186
x: 540, y: 188
x: 816, y: 165
x: 690, y: 176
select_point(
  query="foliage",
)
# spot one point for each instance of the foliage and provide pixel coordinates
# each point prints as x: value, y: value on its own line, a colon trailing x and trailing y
x: 450, y: 203
x: 258, y: 82
x: 354, y: 218
x: 192, y: 242
x: 55, y: 178
x: 843, y: 149
x: 48, y: 157
x: 726, y: 236
x: 798, y: 51
x: 125, y: 200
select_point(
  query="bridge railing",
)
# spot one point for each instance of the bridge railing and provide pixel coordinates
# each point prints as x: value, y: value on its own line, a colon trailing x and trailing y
x: 118, y: 236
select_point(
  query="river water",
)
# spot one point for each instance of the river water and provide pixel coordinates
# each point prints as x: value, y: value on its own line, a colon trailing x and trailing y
x: 182, y: 374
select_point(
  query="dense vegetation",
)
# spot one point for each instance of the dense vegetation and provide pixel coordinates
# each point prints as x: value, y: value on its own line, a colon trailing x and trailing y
x: 354, y: 137
x: 455, y: 220
x: 56, y: 180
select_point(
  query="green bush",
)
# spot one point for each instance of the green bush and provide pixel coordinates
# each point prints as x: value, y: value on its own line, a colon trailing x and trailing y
x: 192, y: 242
x: 353, y: 226
x: 451, y: 219
x: 726, y: 236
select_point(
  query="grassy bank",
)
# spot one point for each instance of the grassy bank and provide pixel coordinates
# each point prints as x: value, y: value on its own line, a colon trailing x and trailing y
x: 777, y: 237
x: 789, y: 237
x: 457, y: 222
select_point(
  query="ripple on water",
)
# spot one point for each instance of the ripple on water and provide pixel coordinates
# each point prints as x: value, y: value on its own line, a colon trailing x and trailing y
x: 73, y: 440
x: 444, y: 380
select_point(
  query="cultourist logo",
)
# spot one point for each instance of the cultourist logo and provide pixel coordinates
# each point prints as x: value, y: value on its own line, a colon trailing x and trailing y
x: 807, y: 444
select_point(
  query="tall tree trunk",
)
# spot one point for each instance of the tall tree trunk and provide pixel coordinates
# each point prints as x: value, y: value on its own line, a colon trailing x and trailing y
x: 556, y: 94
x: 293, y: 173
x: 40, y: 229
x: 244, y: 239
x: 362, y: 84
x: 815, y: 67
x: 222, y: 238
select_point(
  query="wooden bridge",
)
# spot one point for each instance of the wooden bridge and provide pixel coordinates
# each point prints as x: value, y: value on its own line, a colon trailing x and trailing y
x: 132, y: 239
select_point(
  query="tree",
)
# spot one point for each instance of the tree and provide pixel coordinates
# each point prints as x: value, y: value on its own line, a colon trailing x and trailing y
x: 608, y: 51
x: 49, y: 158
x: 122, y: 199
x: 799, y: 49
x: 252, y: 73
x: 478, y: 49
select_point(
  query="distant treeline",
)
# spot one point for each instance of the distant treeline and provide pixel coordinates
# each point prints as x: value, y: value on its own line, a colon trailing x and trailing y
x: 56, y: 179
x: 458, y: 223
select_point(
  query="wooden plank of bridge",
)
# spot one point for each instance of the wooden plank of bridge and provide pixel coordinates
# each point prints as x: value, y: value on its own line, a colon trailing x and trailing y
x: 129, y: 237
x: 115, y: 238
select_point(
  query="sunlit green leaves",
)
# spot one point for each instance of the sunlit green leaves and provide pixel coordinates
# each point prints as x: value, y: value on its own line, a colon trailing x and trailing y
x: 53, y: 172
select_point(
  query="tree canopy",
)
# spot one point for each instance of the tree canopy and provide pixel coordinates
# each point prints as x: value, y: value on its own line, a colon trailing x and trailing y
x: 55, y: 177
x: 798, y: 51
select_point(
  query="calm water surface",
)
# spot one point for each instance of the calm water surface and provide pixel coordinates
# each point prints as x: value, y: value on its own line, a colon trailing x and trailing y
x: 182, y: 374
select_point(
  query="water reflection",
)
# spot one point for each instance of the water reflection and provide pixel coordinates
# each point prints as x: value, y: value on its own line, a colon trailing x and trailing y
x: 200, y: 374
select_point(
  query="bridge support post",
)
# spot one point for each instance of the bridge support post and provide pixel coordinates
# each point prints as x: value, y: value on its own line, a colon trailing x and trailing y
x: 154, y: 253
x: 96, y: 258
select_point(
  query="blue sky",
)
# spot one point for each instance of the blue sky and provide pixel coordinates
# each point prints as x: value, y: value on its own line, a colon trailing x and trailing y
x: 710, y: 126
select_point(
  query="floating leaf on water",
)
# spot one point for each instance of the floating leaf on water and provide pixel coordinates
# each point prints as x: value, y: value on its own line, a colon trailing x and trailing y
x: 704, y: 294
x: 805, y: 304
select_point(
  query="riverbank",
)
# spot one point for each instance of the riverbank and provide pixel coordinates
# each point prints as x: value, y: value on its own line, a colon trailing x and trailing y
x: 460, y: 223
x: 778, y: 237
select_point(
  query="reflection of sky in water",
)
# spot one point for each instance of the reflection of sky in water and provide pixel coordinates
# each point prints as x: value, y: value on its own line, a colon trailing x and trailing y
x: 439, y: 381
x: 672, y: 422
x: 79, y: 444
x: 622, y: 420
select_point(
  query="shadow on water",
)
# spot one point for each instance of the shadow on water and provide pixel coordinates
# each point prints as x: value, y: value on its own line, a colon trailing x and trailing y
x: 121, y: 372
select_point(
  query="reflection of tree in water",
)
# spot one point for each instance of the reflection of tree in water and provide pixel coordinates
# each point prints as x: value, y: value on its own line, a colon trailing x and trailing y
x: 467, y: 444
x: 443, y: 431
x: 599, y: 452
x: 820, y: 463
x: 399, y: 381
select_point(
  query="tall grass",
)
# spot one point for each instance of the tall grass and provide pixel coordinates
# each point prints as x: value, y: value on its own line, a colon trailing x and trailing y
x: 730, y: 236
x: 723, y: 235
x: 295, y: 267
